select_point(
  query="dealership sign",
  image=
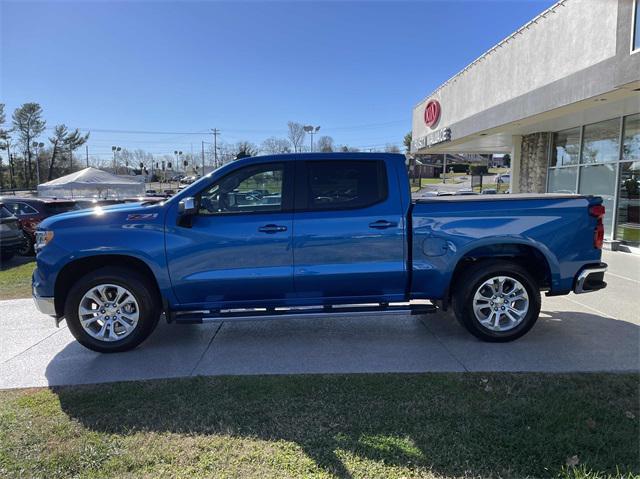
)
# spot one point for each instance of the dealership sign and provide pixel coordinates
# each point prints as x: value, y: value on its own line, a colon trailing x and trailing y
x: 433, y: 138
x: 432, y: 113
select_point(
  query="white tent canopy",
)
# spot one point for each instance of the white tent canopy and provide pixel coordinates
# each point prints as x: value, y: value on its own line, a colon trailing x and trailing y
x: 91, y: 183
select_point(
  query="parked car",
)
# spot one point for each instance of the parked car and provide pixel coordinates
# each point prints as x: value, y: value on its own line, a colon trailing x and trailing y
x: 31, y: 211
x: 464, y: 192
x: 93, y: 202
x: 11, y: 237
x: 187, y: 180
x: 176, y: 177
x: 490, y: 191
x: 329, y: 234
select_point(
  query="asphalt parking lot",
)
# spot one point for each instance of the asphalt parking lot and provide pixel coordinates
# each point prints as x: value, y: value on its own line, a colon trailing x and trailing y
x: 592, y: 332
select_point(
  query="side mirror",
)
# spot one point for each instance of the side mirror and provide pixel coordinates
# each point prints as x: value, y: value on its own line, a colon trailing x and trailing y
x: 187, y: 207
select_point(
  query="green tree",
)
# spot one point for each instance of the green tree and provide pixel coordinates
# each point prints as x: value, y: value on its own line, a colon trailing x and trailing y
x: 4, y: 142
x: 28, y: 123
x: 407, y: 141
x: 64, y: 140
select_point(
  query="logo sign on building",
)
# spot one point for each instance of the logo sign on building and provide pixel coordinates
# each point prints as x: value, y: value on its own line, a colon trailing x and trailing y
x: 432, y: 113
x: 433, y: 138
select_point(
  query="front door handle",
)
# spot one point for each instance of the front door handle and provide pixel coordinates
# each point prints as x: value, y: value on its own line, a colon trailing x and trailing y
x: 382, y: 224
x: 272, y: 229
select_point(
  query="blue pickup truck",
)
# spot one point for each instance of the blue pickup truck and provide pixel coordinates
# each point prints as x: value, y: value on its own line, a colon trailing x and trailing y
x: 308, y: 235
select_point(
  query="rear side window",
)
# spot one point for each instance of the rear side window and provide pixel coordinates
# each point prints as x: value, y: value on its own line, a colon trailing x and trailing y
x: 21, y: 209
x: 57, y: 208
x: 337, y: 185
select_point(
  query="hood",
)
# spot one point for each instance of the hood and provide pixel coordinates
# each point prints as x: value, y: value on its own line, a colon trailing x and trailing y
x: 106, y: 215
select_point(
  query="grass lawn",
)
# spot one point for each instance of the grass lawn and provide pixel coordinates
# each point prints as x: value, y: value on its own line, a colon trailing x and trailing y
x: 15, y: 278
x: 349, y: 426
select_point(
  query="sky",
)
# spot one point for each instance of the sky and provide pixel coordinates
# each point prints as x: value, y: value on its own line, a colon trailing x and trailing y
x: 158, y: 75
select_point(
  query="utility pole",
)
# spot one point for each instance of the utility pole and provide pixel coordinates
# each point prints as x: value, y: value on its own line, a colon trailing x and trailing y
x: 202, y: 158
x: 215, y: 132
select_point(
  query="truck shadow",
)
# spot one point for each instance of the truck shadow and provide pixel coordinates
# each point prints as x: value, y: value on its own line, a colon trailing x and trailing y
x: 407, y: 420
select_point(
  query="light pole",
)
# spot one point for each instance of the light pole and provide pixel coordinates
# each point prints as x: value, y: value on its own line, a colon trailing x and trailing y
x: 37, y: 146
x: 114, y: 149
x: 178, y: 155
x: 311, y: 130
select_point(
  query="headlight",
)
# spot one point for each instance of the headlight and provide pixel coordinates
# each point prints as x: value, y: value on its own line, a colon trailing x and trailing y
x: 42, y: 238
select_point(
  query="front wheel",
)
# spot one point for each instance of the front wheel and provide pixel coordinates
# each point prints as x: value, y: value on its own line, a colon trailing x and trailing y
x: 497, y: 301
x: 111, y: 310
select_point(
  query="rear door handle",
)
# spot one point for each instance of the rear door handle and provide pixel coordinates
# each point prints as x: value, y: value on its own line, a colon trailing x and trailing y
x: 382, y: 224
x: 272, y: 228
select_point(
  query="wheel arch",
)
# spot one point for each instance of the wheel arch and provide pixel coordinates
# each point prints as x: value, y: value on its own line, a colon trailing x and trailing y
x: 77, y: 268
x: 534, y: 258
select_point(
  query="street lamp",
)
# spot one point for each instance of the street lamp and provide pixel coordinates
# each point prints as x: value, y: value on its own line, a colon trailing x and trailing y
x: 311, y: 130
x: 178, y: 155
x: 114, y: 149
x: 37, y: 147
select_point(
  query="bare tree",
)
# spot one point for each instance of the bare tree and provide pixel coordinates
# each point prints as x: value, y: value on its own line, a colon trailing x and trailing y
x: 275, y: 145
x: 28, y: 122
x: 391, y: 148
x: 245, y: 149
x: 296, y: 135
x: 348, y: 149
x: 325, y: 144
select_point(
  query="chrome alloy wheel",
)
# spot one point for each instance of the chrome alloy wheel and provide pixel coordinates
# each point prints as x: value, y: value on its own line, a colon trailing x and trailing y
x: 500, y: 303
x: 108, y: 312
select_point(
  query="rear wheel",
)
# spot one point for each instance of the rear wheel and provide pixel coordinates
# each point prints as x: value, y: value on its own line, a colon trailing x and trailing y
x: 497, y: 301
x: 111, y: 310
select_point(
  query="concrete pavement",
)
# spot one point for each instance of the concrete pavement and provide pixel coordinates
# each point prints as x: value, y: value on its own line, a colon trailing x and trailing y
x: 591, y: 332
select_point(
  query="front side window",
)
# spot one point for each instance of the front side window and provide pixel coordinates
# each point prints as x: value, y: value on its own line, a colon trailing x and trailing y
x: 335, y: 185
x: 252, y: 189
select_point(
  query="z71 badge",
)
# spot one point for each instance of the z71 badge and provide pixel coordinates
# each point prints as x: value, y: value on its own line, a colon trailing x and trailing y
x: 141, y: 216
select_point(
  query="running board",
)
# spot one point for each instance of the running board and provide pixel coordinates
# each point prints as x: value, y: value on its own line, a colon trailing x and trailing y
x: 191, y: 317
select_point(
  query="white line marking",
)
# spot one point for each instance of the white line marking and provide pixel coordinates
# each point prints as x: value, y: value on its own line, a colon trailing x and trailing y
x: 588, y: 307
x: 608, y: 273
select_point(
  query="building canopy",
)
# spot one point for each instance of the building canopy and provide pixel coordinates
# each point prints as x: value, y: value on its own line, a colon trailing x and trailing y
x: 91, y: 183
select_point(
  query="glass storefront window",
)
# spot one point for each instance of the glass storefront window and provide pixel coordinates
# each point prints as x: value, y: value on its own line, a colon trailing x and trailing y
x: 566, y: 147
x: 601, y: 142
x: 628, y: 220
x: 628, y: 214
x: 600, y: 180
x: 563, y: 180
x: 631, y: 138
x: 605, y: 169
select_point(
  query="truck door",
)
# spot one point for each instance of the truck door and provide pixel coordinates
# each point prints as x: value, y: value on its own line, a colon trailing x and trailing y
x: 238, y: 247
x: 349, y: 231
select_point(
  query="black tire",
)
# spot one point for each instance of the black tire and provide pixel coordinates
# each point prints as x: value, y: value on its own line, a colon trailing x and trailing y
x: 27, y: 247
x: 144, y: 293
x: 469, y: 282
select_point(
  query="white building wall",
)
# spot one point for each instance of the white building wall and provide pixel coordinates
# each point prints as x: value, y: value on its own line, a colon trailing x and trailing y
x: 569, y: 37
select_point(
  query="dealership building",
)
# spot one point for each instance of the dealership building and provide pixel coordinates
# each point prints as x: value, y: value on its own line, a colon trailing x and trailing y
x: 562, y: 96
